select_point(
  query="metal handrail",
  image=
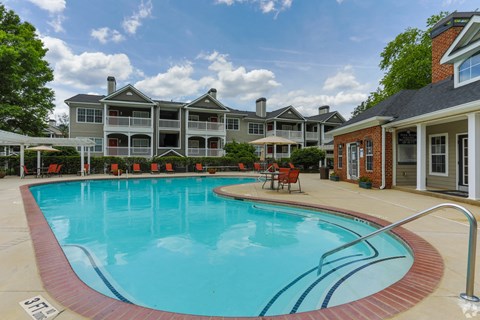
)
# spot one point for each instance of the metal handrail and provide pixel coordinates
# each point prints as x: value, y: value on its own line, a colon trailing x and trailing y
x: 472, y: 244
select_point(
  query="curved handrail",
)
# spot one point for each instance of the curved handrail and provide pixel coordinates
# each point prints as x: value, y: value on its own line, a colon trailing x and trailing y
x: 472, y: 244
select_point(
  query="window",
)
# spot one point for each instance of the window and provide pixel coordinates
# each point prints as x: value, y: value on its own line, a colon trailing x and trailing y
x: 438, y: 154
x: 233, y: 124
x: 140, y: 143
x: 407, y: 147
x: 369, y: 155
x: 141, y: 114
x: 89, y: 115
x: 255, y: 128
x: 98, y: 144
x: 470, y: 68
x: 340, y: 156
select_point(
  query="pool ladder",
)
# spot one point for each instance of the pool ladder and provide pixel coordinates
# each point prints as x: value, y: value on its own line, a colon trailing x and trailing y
x: 472, y: 244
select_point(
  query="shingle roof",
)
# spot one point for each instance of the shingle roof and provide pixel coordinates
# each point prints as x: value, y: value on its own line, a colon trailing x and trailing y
x: 321, y: 117
x: 87, y: 98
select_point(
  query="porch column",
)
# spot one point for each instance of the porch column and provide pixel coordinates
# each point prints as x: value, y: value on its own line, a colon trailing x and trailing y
x: 129, y: 137
x: 474, y: 156
x: 421, y: 156
x: 186, y: 132
x: 22, y: 160
x: 82, y: 160
x: 88, y: 159
x: 321, y: 131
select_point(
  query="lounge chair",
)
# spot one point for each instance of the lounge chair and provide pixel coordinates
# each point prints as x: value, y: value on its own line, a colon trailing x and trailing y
x: 52, y: 169
x: 292, y: 177
x: 273, y: 167
x: 27, y: 172
x: 275, y: 176
x: 154, y: 168
x: 169, y: 168
x: 58, y: 170
x: 113, y: 168
x: 257, y: 167
x: 136, y: 168
x: 86, y: 170
x: 199, y: 167
x: 291, y: 165
x: 241, y: 167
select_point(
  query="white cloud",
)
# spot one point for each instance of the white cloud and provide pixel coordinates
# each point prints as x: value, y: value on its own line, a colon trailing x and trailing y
x: 88, y: 70
x: 344, y: 79
x: 452, y: 2
x: 56, y: 22
x: 131, y: 24
x: 266, y: 6
x: 105, y: 34
x: 52, y: 6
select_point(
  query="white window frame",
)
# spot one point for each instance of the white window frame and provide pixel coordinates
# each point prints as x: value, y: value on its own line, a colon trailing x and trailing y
x: 431, y: 154
x: 141, y: 114
x: 340, y: 156
x: 236, y: 123
x: 95, y: 115
x: 368, y: 155
x: 256, y: 125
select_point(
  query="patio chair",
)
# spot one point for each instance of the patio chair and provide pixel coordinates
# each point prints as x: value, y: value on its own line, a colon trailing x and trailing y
x: 291, y: 165
x: 86, y: 170
x: 257, y: 167
x: 199, y: 167
x: 169, y: 168
x: 27, y: 172
x: 58, y: 170
x: 52, y: 169
x: 275, y: 176
x: 241, y: 167
x: 154, y: 168
x: 292, y: 177
x: 136, y: 168
x: 273, y: 167
x: 113, y: 168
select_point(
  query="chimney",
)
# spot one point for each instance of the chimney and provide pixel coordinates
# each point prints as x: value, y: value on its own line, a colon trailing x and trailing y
x: 323, y: 109
x: 213, y: 93
x: 261, y: 107
x: 111, y: 85
x: 52, y: 122
x: 443, y: 34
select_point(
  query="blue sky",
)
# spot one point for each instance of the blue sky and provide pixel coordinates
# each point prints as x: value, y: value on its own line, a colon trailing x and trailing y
x: 304, y: 53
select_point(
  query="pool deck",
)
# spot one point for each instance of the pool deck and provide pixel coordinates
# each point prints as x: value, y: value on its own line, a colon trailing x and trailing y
x: 446, y: 230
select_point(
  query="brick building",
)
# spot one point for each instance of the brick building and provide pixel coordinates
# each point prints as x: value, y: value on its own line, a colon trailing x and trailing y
x: 426, y: 138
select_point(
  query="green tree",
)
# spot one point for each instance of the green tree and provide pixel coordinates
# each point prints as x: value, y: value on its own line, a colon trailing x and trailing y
x: 25, y: 102
x: 63, y: 121
x: 307, y: 157
x: 242, y: 152
x: 407, y: 62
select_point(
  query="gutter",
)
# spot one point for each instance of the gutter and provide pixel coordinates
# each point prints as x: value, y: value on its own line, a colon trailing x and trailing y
x: 383, y: 159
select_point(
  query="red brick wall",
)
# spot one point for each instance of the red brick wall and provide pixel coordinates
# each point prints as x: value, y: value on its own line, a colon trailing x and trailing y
x: 374, y: 134
x: 440, y: 44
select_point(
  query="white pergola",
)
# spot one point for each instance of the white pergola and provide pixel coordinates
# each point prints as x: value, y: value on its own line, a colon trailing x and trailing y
x: 14, y: 139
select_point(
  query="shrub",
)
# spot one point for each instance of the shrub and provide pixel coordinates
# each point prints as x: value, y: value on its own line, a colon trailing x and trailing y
x: 307, y: 157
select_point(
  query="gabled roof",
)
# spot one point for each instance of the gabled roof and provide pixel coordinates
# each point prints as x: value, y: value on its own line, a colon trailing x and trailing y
x: 324, y: 117
x: 465, y: 43
x: 216, y: 105
x: 279, y: 112
x: 128, y: 87
x: 85, y: 98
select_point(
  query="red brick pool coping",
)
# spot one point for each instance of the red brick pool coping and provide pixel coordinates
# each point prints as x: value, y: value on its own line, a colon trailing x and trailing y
x: 61, y: 282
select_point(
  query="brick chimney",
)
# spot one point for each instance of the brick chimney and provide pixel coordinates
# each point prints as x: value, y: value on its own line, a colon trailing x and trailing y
x: 261, y: 107
x: 111, y: 85
x: 213, y: 93
x: 443, y: 34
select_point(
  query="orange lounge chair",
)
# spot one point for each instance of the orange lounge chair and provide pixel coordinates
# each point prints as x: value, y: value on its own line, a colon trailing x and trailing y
x: 241, y: 167
x: 290, y: 178
x: 169, y: 168
x: 257, y: 167
x: 113, y: 167
x: 26, y: 172
x: 291, y: 165
x: 58, y: 169
x: 154, y: 168
x: 199, y: 167
x: 52, y: 169
x: 136, y: 168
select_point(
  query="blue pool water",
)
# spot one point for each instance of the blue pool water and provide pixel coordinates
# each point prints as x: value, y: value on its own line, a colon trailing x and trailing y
x: 173, y: 245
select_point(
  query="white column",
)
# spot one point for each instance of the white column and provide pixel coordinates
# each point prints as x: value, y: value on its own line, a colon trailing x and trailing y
x: 186, y: 132
x: 39, y: 163
x: 82, y: 160
x: 474, y: 156
x: 421, y: 157
x: 88, y: 160
x: 22, y: 160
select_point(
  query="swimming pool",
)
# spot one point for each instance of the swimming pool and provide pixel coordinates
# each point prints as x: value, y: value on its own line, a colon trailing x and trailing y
x: 194, y: 252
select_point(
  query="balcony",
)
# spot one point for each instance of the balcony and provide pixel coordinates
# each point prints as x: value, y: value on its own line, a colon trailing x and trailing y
x: 202, y: 127
x: 205, y: 152
x: 312, y: 136
x: 167, y: 124
x: 288, y: 134
x: 125, y: 151
x: 128, y: 124
x: 327, y: 137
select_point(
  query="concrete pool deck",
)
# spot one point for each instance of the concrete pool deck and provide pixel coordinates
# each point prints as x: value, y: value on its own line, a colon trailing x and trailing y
x: 446, y: 230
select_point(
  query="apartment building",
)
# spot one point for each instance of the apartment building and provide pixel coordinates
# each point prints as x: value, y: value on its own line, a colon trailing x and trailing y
x: 126, y: 122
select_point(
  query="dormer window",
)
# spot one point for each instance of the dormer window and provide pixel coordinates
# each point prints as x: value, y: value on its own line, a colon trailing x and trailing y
x: 470, y: 68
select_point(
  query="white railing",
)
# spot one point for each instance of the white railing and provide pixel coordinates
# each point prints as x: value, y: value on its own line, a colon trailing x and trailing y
x: 129, y: 122
x: 288, y: 134
x: 168, y: 124
x: 205, y: 152
x: 206, y: 126
x: 124, y: 151
x: 312, y: 135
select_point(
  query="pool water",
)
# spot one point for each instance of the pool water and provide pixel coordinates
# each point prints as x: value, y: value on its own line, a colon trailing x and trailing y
x: 173, y: 245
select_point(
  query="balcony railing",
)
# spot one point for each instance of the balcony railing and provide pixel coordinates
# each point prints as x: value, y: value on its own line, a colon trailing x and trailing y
x: 131, y: 122
x: 125, y: 151
x: 327, y: 137
x: 206, y: 126
x: 168, y: 124
x: 205, y: 152
x: 312, y: 135
x: 288, y: 134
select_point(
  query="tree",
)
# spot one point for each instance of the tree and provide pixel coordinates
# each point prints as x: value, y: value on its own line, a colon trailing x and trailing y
x: 240, y: 151
x: 63, y: 123
x: 307, y: 157
x: 407, y: 62
x: 25, y: 102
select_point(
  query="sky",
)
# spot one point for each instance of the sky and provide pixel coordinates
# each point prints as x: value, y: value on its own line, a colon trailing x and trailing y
x: 303, y: 53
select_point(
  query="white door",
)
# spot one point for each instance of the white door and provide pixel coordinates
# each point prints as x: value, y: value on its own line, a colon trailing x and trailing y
x: 352, y: 161
x: 463, y: 162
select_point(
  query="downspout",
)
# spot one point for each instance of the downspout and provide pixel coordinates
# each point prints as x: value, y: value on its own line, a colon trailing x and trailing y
x: 383, y: 158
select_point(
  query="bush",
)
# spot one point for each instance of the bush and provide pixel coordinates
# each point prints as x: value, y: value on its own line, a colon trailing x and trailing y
x: 307, y: 157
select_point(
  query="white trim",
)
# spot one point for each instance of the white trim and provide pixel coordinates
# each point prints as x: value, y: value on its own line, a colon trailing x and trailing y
x: 421, y: 156
x: 453, y: 53
x: 474, y: 156
x: 255, y: 123
x: 238, y: 124
x: 364, y: 124
x: 458, y: 160
x: 430, y: 172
